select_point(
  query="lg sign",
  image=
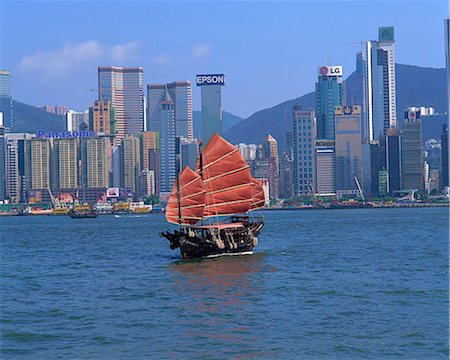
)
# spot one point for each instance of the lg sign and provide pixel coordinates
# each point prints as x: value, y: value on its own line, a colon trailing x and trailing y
x: 214, y: 79
x: 330, y: 71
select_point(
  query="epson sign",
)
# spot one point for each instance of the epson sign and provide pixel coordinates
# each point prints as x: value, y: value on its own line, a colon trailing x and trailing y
x: 211, y: 79
x: 330, y: 71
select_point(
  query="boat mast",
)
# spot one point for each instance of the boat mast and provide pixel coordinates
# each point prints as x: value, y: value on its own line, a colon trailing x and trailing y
x: 179, y: 198
x: 200, y: 152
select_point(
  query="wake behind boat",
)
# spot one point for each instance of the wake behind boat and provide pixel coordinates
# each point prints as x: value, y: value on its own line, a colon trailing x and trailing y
x: 221, y: 186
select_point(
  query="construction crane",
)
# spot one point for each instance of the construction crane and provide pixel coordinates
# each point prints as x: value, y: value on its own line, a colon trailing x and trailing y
x: 359, y: 187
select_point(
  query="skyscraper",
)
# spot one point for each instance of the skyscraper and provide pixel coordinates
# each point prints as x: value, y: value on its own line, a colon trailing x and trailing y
x: 147, y: 183
x: 412, y: 155
x: 330, y: 92
x: 181, y: 94
x: 95, y: 154
x: 39, y: 164
x: 131, y: 163
x: 102, y: 118
x: 271, y: 149
x: 123, y: 87
x: 149, y: 141
x: 393, y: 160
x: 447, y: 62
x: 165, y: 125
x: 211, y: 104
x: 2, y: 163
x: 348, y: 150
x: 286, y: 188
x: 20, y: 141
x: 6, y: 100
x: 444, y: 139
x: 304, y: 130
x: 324, y: 158
x: 188, y: 150
x: 66, y: 163
x: 378, y: 75
x: 150, y: 155
x: 77, y: 121
x: 12, y: 181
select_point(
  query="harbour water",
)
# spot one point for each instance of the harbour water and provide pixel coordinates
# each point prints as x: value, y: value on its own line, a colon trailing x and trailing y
x: 331, y: 284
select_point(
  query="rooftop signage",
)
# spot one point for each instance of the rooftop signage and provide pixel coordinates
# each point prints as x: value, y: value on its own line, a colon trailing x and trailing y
x: 47, y: 134
x: 211, y: 79
x: 324, y: 143
x: 330, y: 71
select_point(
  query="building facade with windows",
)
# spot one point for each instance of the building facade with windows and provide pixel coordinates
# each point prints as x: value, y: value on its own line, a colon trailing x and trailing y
x: 303, y: 132
x: 349, y: 155
x: 330, y: 92
x: 377, y: 70
x: 123, y: 87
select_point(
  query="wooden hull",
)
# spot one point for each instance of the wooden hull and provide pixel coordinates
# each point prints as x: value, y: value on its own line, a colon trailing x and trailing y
x: 197, y: 242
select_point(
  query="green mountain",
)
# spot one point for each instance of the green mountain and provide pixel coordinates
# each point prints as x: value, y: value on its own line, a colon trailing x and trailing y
x: 276, y: 121
x: 228, y: 121
x: 416, y: 86
x: 30, y: 119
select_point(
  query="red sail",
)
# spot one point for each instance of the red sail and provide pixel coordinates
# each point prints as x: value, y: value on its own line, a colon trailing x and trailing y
x: 187, y: 199
x: 226, y: 178
x: 259, y: 197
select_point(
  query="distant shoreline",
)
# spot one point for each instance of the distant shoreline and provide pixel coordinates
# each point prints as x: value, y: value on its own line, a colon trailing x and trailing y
x: 340, y: 207
x: 312, y: 207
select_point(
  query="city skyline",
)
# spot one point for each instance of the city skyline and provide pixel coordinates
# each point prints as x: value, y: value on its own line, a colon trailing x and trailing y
x: 249, y: 69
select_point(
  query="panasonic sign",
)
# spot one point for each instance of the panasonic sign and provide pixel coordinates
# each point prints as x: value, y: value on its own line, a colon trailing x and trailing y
x: 211, y: 79
x: 330, y: 71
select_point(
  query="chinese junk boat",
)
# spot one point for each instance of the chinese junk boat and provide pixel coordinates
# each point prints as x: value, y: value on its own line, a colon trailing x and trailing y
x: 221, y: 186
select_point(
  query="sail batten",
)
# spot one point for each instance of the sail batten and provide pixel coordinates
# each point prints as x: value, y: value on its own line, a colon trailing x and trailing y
x: 205, y: 166
x: 226, y: 179
x: 227, y: 173
x: 187, y: 200
x: 230, y: 188
x: 259, y: 197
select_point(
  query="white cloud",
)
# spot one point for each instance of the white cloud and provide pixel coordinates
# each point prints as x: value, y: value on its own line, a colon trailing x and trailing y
x: 123, y: 52
x: 55, y: 63
x: 200, y: 51
x: 161, y: 59
x: 59, y: 62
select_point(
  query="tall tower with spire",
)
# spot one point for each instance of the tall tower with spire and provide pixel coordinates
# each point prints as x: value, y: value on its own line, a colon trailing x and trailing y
x: 167, y: 141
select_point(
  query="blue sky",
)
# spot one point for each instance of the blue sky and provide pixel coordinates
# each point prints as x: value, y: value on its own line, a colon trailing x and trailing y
x: 269, y: 51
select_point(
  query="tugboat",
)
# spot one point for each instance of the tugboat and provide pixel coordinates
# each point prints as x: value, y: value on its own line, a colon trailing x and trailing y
x: 221, y: 186
x: 82, y: 211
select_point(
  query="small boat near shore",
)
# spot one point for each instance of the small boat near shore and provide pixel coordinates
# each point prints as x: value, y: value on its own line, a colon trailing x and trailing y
x: 83, y: 212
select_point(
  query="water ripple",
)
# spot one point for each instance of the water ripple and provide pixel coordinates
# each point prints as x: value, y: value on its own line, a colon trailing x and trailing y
x: 322, y: 285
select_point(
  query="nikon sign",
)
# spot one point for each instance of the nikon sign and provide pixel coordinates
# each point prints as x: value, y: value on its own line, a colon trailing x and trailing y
x: 211, y: 79
x: 330, y: 71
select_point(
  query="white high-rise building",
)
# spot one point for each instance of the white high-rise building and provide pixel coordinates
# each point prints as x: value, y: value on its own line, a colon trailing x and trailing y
x: 378, y: 74
x: 77, y: 121
x: 12, y: 170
